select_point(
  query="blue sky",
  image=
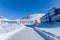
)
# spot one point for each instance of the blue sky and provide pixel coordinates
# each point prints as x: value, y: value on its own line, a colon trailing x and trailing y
x: 13, y: 9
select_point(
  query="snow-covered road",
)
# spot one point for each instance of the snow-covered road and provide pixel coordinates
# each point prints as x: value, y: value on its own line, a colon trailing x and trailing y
x: 25, y: 34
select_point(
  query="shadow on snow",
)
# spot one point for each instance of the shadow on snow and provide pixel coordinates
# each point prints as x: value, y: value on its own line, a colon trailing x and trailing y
x: 45, y: 25
x: 47, y: 35
x: 44, y: 34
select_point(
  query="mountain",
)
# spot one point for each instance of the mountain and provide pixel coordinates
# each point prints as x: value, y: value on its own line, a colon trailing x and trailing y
x: 30, y: 19
x: 36, y: 16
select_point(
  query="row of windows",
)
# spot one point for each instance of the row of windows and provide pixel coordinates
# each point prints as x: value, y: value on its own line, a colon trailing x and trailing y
x: 53, y: 12
x: 28, y: 21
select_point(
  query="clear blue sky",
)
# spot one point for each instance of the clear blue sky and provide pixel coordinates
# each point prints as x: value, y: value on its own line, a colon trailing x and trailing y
x: 13, y: 9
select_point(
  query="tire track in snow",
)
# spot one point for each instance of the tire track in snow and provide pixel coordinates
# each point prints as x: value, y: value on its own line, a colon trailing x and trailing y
x: 47, y: 35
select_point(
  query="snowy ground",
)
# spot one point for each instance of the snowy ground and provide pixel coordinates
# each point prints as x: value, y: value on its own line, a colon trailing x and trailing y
x: 35, y: 33
x: 55, y: 31
x: 5, y: 36
x: 26, y: 34
x: 48, y: 34
x: 32, y: 32
x: 8, y: 31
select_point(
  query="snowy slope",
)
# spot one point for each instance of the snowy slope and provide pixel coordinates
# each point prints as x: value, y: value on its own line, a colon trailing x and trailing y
x: 7, y: 25
x: 5, y: 36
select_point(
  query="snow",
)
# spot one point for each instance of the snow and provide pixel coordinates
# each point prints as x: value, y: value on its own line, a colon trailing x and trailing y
x: 36, y: 16
x: 15, y: 31
x: 7, y: 28
x: 26, y: 34
x: 47, y: 35
x: 7, y: 35
x: 22, y: 32
x: 55, y: 31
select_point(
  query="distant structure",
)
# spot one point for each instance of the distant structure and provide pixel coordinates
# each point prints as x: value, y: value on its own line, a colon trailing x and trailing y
x: 24, y: 20
x: 52, y: 16
x: 4, y: 20
x: 27, y: 21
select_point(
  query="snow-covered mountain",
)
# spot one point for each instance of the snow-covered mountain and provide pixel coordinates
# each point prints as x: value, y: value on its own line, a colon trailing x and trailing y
x: 36, y: 17
x: 30, y: 19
